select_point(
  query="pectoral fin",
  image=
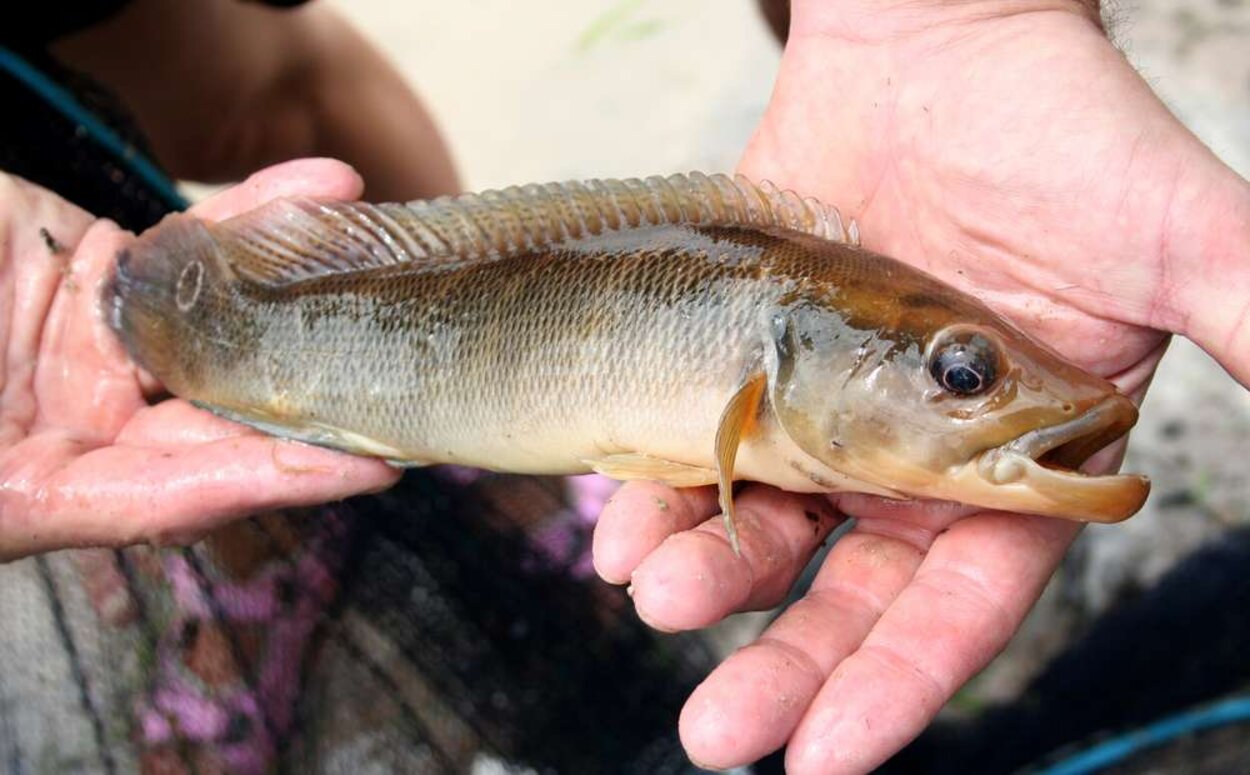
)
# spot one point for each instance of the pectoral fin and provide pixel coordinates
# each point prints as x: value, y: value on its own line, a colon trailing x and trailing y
x: 735, y: 421
x: 635, y: 465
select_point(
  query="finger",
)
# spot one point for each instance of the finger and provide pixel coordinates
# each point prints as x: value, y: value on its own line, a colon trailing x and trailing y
x: 638, y: 518
x: 119, y: 495
x: 303, y: 177
x: 968, y: 597
x: 917, y: 521
x: 751, y: 703
x: 176, y: 423
x: 38, y: 231
x: 84, y: 379
x: 1208, y: 262
x: 694, y: 578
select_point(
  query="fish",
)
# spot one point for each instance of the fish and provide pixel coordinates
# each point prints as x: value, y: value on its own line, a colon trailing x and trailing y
x: 692, y: 330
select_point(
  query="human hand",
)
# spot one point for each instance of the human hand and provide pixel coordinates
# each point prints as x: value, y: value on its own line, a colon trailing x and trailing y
x: 84, y: 459
x: 1008, y: 148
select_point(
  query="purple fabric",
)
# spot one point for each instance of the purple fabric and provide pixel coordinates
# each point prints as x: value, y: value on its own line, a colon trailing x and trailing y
x: 235, y: 720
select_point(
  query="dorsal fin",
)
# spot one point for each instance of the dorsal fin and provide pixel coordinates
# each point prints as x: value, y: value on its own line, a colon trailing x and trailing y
x: 291, y: 240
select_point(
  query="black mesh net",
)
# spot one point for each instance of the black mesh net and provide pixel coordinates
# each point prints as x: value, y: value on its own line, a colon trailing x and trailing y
x: 442, y: 626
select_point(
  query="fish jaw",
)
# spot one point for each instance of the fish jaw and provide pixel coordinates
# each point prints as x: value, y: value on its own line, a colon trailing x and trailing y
x: 1036, y: 472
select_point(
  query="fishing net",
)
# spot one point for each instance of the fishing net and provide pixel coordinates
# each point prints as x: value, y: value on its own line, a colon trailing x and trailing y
x: 449, y: 624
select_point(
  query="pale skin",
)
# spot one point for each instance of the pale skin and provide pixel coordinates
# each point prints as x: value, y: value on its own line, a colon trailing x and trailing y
x: 1009, y: 148
x: 1006, y: 147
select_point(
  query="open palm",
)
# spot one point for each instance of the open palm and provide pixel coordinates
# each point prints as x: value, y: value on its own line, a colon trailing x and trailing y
x: 1011, y: 150
x: 84, y: 459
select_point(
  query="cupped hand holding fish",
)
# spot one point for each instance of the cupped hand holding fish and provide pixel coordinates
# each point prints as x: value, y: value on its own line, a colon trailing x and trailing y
x: 84, y: 458
x: 1011, y: 150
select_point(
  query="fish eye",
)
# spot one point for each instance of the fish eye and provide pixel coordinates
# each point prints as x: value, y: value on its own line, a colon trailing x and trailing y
x: 964, y: 363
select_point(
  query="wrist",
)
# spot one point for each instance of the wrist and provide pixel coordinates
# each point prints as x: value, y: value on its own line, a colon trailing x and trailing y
x: 1205, y: 292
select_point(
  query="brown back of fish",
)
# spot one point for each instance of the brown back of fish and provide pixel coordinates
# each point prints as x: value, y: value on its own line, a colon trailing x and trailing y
x: 529, y: 342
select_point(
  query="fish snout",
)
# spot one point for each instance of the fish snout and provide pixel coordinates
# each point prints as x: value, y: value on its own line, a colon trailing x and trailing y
x: 1037, y: 472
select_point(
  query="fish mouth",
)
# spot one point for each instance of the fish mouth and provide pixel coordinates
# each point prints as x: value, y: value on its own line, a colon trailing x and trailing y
x: 1040, y: 467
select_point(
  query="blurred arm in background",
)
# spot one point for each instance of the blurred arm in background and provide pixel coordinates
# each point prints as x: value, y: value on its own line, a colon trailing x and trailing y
x: 223, y: 88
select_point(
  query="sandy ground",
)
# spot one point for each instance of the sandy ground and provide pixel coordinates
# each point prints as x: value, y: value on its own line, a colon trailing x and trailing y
x: 556, y: 90
x: 529, y: 92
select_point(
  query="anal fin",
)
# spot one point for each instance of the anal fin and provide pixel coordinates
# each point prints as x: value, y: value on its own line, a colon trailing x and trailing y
x: 636, y: 465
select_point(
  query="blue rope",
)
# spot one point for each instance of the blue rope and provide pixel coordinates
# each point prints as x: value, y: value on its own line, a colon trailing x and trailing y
x: 64, y: 102
x: 1120, y: 748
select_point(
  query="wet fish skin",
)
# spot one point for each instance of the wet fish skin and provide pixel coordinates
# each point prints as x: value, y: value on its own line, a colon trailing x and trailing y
x: 604, y: 326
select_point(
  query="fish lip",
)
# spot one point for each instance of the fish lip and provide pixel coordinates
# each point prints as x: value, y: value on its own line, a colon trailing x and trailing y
x: 114, y: 295
x: 1069, y: 444
x: 1039, y: 468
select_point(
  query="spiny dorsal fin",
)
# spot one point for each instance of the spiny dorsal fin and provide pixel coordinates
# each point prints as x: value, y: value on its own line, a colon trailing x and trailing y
x: 291, y: 240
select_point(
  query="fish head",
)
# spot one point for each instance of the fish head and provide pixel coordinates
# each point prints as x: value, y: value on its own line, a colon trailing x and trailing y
x: 925, y: 392
x: 165, y: 299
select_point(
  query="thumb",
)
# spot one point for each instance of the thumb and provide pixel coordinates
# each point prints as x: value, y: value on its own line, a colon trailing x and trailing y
x: 1204, y: 292
x: 302, y: 177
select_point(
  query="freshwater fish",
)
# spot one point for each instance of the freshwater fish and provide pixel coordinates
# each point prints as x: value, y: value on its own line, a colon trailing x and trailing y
x: 691, y: 330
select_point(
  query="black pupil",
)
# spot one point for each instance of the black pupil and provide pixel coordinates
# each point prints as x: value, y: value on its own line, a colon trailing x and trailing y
x: 962, y: 380
x: 965, y: 368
